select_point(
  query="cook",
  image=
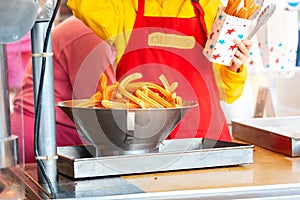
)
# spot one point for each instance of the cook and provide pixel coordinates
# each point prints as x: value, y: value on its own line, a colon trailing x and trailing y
x: 156, y: 37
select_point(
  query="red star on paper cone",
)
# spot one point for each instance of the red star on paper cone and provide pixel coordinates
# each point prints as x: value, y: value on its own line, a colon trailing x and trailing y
x: 229, y: 31
x: 232, y: 47
x: 216, y: 56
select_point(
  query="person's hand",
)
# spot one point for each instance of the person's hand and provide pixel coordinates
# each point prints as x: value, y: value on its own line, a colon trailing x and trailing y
x: 241, y: 55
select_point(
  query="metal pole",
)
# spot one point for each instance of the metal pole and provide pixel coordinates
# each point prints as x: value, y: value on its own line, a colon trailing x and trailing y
x: 4, y: 96
x: 47, y: 132
x: 8, y: 143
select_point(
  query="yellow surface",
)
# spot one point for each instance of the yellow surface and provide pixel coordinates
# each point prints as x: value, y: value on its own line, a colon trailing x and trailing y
x: 269, y: 168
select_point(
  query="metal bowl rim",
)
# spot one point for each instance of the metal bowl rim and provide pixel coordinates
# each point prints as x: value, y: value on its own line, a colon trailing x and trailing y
x: 62, y: 104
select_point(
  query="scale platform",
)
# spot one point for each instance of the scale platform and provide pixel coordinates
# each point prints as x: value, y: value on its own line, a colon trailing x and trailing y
x: 177, y: 154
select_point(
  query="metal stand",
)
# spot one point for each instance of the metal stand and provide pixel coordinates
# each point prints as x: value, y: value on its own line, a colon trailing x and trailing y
x: 46, y: 132
x: 47, y: 136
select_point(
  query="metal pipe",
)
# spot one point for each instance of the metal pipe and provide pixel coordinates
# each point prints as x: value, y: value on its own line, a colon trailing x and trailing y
x: 47, y: 133
x: 4, y: 96
x: 8, y: 143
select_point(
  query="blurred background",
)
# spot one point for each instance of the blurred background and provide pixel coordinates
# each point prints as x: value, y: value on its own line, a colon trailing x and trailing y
x: 274, y: 68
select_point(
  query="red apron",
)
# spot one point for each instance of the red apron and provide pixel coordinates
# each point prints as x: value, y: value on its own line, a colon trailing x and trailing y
x: 164, y: 45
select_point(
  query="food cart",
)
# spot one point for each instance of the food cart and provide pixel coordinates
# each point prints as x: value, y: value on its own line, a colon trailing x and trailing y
x: 150, y: 168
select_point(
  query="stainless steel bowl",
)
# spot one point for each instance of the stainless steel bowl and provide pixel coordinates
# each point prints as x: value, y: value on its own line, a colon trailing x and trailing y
x: 124, y: 131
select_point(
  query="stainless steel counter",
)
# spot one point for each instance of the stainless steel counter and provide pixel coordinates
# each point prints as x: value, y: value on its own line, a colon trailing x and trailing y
x: 10, y: 186
x: 271, y: 175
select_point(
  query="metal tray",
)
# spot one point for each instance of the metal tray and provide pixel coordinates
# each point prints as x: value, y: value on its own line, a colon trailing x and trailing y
x: 177, y: 154
x: 279, y: 134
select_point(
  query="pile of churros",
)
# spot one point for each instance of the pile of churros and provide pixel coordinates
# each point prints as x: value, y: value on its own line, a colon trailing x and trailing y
x: 245, y: 11
x: 129, y: 93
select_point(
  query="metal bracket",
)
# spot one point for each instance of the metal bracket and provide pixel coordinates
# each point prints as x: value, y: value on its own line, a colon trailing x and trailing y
x: 129, y: 138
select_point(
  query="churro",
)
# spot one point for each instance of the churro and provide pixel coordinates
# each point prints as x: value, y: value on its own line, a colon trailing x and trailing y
x: 130, y: 94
